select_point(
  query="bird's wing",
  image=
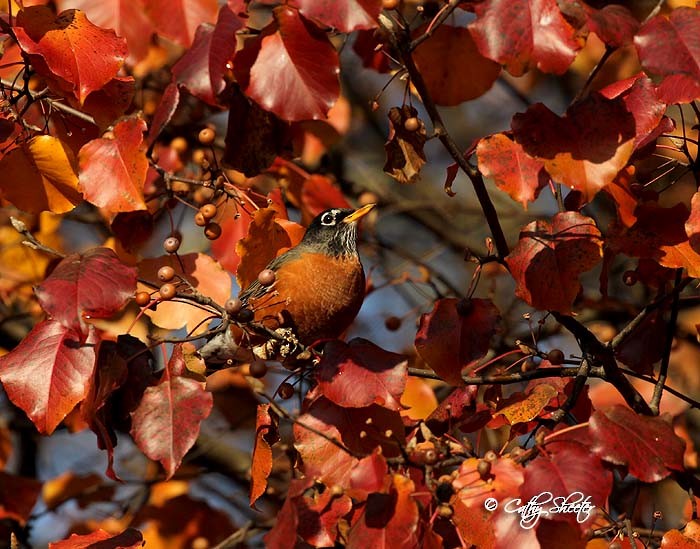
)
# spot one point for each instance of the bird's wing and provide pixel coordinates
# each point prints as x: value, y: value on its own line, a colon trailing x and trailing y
x: 255, y: 289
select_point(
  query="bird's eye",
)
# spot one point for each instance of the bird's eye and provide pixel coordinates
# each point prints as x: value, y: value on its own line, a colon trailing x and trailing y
x: 328, y: 218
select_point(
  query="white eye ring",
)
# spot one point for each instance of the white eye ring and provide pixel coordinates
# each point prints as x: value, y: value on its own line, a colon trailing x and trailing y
x: 328, y: 218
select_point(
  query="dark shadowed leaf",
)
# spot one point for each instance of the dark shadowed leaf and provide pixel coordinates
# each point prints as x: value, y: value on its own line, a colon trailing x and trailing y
x: 366, y: 46
x: 524, y: 34
x: 319, y: 515
x: 291, y: 69
x: 266, y: 435
x: 112, y: 172
x: 451, y: 411
x: 667, y: 47
x: 404, y: 148
x: 344, y: 15
x: 359, y: 373
x: 646, y: 445
x: 48, y: 373
x: 82, y: 55
x: 18, y: 496
x: 512, y: 169
x: 549, y: 258
x: 95, y: 284
x: 644, y: 346
x: 462, y: 75
x: 456, y: 334
x: 166, y: 423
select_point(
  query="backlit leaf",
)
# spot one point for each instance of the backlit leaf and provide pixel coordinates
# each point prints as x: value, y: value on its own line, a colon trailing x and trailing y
x: 179, y: 19
x: 455, y: 335
x: 344, y: 15
x: 113, y: 171
x: 128, y: 539
x: 549, y: 258
x: 614, y: 24
x: 527, y: 408
x: 266, y: 435
x: 291, y: 69
x: 94, y: 284
x: 462, y: 75
x: 359, y: 373
x: 166, y: 423
x: 646, y: 445
x: 46, y: 168
x: 48, y: 373
x: 72, y: 48
x: 524, y: 34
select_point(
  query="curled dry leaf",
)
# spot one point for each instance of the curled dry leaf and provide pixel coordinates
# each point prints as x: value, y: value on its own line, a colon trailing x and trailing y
x: 404, y: 149
x: 266, y: 435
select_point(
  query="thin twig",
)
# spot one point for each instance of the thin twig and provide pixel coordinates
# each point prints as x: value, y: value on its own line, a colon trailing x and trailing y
x: 31, y: 241
x: 438, y: 20
x: 506, y: 379
x: 591, y: 76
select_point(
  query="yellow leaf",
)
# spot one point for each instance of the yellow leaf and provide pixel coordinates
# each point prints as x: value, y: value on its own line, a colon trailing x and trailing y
x: 40, y: 175
x: 529, y: 408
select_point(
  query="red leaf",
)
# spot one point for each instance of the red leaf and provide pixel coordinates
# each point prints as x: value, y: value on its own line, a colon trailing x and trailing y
x: 644, y: 346
x: 126, y: 17
x: 463, y: 75
x: 302, y: 61
x: 266, y: 435
x: 18, y: 496
x: 94, y: 284
x: 646, y: 445
x: 318, y: 194
x: 549, y: 258
x: 165, y: 111
x: 359, y: 373
x: 453, y: 409
x: 368, y: 476
x: 523, y: 34
x: 70, y: 47
x: 48, y: 373
x: 201, y: 69
x: 387, y: 520
x: 112, y: 172
x: 319, y: 516
x: 512, y: 169
x: 179, y: 19
x: 344, y: 15
x: 692, y: 225
x: 667, y: 47
x: 365, y: 46
x: 233, y: 229
x: 128, y: 539
x: 586, y: 148
x: 567, y: 468
x: 322, y: 459
x: 456, y: 334
x: 614, y: 24
x: 166, y: 423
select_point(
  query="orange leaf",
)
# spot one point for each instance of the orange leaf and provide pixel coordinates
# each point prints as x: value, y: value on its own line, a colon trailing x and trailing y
x: 419, y: 399
x: 113, y: 171
x: 128, y: 539
x: 529, y: 407
x: 266, y: 435
x: 40, y: 176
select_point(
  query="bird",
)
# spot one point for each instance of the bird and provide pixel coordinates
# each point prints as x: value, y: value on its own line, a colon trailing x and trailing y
x: 316, y: 291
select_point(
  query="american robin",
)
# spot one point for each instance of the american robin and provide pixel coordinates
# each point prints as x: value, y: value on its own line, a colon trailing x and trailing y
x: 318, y: 287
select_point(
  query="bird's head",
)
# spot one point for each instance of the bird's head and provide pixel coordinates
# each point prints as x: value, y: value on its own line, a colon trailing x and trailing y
x: 335, y: 231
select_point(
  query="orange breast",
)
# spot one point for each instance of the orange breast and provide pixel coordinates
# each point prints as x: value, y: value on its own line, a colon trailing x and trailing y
x: 316, y: 295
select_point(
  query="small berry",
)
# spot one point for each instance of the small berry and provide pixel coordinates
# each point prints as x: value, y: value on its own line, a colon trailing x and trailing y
x: 212, y: 231
x: 167, y: 291
x: 267, y: 277
x: 258, y: 368
x: 430, y: 457
x: 245, y: 315
x: 390, y: 4
x: 444, y: 491
x: 285, y: 391
x: 555, y: 357
x: 199, y: 156
x: 142, y: 298
x: 171, y: 244
x: 484, y: 469
x: 411, y: 124
x: 166, y: 273
x: 206, y: 136
x: 200, y: 220
x: 233, y: 306
x: 491, y: 456
x: 208, y: 211
x: 203, y: 195
x: 392, y: 323
x: 179, y: 144
x: 630, y: 278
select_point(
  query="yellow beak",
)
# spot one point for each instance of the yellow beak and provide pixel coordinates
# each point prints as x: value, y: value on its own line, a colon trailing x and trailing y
x: 360, y: 212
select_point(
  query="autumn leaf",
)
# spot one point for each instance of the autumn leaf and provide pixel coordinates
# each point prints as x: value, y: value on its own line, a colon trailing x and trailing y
x: 179, y: 19
x: 18, y: 495
x: 404, y: 148
x: 549, y: 258
x: 166, y: 423
x: 303, y: 62
x: 47, y: 374
x: 46, y: 168
x: 84, y: 56
x: 455, y: 335
x: 524, y: 34
x: 344, y: 15
x: 512, y: 169
x: 113, y: 171
x: 266, y: 435
x: 358, y: 374
x: 526, y: 407
x: 319, y: 194
x: 462, y: 75
x: 614, y: 24
x: 95, y: 284
x: 128, y: 539
x: 233, y: 229
x: 646, y: 445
